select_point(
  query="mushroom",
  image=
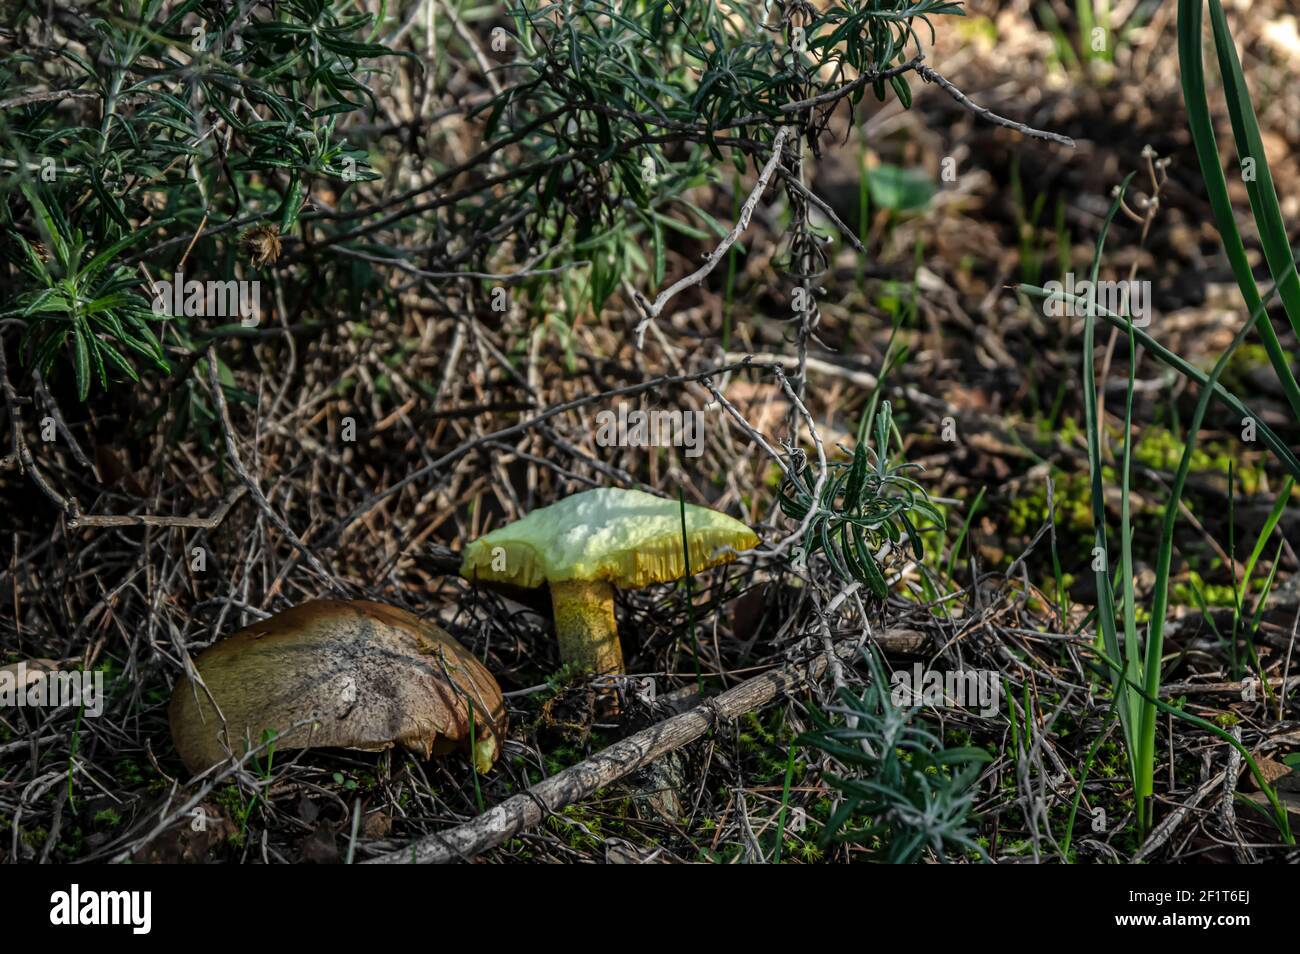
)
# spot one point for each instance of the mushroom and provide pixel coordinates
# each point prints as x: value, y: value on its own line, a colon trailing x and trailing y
x: 353, y: 674
x: 589, y: 543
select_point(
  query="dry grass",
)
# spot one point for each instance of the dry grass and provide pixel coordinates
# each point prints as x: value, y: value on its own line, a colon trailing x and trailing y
x: 452, y: 400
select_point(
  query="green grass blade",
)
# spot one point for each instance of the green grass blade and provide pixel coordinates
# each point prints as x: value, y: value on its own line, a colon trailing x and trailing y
x: 785, y: 805
x: 965, y: 530
x: 1132, y: 652
x: 1164, y: 560
x: 1263, y: 195
x: 1128, y: 708
x: 81, y: 360
x: 1280, y: 818
x: 1187, y: 369
x: 1270, y: 524
x: 1195, y: 98
x: 1081, y: 780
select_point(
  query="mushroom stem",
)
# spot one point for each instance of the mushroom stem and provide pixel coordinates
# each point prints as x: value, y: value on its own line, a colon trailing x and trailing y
x: 585, y: 625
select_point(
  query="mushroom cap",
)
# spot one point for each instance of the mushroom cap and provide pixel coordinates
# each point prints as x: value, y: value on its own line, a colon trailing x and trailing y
x: 627, y: 538
x: 359, y: 674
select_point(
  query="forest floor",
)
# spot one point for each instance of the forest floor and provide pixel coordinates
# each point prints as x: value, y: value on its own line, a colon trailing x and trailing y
x: 986, y: 391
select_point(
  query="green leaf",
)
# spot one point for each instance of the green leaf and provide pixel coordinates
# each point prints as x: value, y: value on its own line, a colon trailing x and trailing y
x: 1196, y: 99
x: 290, y: 208
x: 898, y: 189
x: 658, y: 241
x: 1250, y: 145
x: 857, y: 477
x: 50, y: 231
x: 81, y: 361
x: 903, y: 90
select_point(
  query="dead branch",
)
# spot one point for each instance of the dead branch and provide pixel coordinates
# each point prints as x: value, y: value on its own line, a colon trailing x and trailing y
x: 523, y: 811
x: 158, y: 520
x: 932, y: 76
x: 649, y: 311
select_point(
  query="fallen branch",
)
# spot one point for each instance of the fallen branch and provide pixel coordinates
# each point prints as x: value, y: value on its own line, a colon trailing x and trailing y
x: 521, y: 812
x: 1229, y: 688
x: 1162, y: 832
x: 160, y: 520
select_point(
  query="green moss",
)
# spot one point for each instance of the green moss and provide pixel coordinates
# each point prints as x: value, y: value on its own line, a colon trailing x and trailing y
x: 583, y: 828
x: 107, y: 818
x: 1159, y: 449
x: 764, y: 740
x: 1071, y: 497
x: 1248, y: 357
x: 806, y: 851
x: 129, y: 772
x: 1070, y: 430
x: 230, y: 800
x: 1212, y: 594
x: 71, y: 844
x: 560, y: 758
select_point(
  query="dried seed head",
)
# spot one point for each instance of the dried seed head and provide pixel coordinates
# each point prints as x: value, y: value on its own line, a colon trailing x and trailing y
x: 261, y: 244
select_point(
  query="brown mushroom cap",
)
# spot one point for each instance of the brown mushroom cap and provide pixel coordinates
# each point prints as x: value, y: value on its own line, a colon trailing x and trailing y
x: 357, y: 674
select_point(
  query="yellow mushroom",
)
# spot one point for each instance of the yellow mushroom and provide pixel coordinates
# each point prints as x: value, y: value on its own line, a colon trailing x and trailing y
x: 587, y: 544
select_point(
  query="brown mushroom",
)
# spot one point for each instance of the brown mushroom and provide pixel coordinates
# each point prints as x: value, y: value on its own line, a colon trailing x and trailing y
x: 355, y: 674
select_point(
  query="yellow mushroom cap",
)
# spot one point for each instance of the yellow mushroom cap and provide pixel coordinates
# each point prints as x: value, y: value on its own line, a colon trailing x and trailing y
x: 625, y: 537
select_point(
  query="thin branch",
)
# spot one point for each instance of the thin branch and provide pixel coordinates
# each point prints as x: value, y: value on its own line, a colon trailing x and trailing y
x: 21, y: 452
x: 812, y: 198
x: 44, y: 96
x: 484, y: 64
x: 52, y: 408
x: 834, y: 95
x: 650, y: 311
x: 931, y: 76
x: 156, y: 520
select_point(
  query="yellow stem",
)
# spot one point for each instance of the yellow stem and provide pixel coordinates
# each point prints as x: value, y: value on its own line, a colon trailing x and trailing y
x: 585, y: 625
